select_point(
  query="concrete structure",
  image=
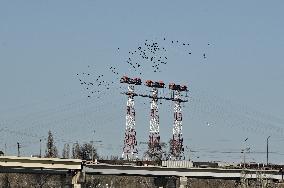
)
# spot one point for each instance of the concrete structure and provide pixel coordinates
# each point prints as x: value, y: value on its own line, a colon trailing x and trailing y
x: 219, y: 173
x: 44, y: 163
x: 177, y: 164
x: 76, y: 171
x: 72, y: 168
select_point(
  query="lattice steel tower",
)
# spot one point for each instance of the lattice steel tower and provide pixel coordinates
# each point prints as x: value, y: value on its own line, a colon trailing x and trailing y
x: 154, y: 145
x: 176, y: 143
x: 130, y: 150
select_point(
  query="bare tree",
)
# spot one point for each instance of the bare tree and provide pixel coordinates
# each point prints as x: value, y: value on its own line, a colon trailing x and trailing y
x: 40, y: 180
x: 87, y: 150
x: 5, y: 181
x: 66, y: 151
x: 51, y: 150
x: 76, y: 151
x: 84, y: 151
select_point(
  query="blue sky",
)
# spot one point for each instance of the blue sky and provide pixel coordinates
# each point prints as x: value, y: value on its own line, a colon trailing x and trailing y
x: 238, y: 88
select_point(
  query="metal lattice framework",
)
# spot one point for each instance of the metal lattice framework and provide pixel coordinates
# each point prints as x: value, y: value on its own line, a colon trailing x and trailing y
x: 176, y: 143
x: 130, y: 150
x: 154, y: 147
x: 154, y: 120
x: 130, y: 142
x: 177, y: 140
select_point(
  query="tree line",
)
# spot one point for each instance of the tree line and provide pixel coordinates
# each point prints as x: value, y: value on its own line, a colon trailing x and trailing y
x: 85, y: 151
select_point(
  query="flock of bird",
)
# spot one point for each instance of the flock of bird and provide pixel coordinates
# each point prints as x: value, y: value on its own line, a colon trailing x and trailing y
x: 150, y: 52
x: 155, y: 53
x: 149, y: 55
x: 94, y: 84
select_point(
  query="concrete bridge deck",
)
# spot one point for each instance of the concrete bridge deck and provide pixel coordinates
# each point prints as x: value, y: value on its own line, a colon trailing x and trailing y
x: 219, y: 173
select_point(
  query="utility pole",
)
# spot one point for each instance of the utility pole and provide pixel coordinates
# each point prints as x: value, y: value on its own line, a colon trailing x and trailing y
x: 92, y: 150
x: 40, y: 148
x: 244, y: 182
x: 267, y: 151
x: 18, y: 146
x: 94, y: 145
x: 245, y: 148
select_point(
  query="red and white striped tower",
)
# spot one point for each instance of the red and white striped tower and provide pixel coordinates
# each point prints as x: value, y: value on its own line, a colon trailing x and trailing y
x: 176, y: 143
x: 154, y: 145
x: 130, y: 150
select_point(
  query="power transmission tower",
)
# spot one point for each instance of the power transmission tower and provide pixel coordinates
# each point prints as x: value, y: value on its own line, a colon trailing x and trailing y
x: 154, y: 146
x: 18, y: 148
x: 130, y: 151
x: 176, y: 143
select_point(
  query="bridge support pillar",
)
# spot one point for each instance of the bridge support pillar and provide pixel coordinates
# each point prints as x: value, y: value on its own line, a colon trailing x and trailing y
x: 75, y: 179
x: 78, y: 179
x: 182, y: 182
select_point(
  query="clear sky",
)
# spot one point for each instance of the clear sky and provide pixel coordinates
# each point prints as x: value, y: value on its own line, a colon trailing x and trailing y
x: 238, y: 89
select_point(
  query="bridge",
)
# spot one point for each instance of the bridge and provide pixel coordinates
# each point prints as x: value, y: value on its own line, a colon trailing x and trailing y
x: 182, y: 174
x: 76, y: 169
x: 34, y: 164
x: 220, y: 173
x: 72, y: 168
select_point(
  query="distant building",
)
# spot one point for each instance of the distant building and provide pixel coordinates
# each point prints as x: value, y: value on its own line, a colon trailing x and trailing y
x: 205, y: 165
x: 177, y: 164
